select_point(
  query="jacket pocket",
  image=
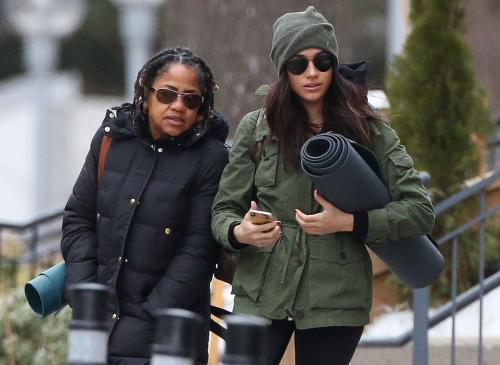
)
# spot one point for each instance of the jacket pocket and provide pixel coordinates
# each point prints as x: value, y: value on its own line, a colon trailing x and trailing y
x: 265, y: 174
x: 251, y: 271
x: 339, y: 273
x: 401, y: 173
x: 402, y: 160
x: 166, y: 224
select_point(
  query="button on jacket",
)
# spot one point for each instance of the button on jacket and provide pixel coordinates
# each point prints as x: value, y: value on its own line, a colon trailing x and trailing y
x: 145, y: 230
x: 315, y: 280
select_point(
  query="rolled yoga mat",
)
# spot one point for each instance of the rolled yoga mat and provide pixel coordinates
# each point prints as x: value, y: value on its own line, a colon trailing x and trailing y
x: 347, y: 175
x: 45, y: 293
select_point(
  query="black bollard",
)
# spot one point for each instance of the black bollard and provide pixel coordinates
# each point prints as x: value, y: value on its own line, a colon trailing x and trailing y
x: 246, y: 340
x: 88, y: 329
x: 178, y: 335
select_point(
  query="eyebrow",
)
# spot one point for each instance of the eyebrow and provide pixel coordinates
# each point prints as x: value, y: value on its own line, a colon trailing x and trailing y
x: 177, y: 89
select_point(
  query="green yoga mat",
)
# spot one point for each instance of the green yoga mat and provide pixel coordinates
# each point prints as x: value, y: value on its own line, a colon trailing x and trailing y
x: 45, y: 293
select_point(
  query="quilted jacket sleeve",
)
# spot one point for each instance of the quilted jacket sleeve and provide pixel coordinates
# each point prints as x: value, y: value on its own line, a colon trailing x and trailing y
x: 79, y: 241
x: 237, y: 182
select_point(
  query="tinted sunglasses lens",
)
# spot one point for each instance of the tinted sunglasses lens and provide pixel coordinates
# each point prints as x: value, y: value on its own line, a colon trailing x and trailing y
x: 192, y: 101
x: 297, y: 65
x: 323, y: 62
x: 166, y: 96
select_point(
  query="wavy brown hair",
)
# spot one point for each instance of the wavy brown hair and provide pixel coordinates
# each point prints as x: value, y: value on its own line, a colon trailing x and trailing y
x: 345, y: 111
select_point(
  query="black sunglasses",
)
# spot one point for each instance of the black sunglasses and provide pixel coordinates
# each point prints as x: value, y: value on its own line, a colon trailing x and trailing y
x: 166, y: 96
x: 298, y: 64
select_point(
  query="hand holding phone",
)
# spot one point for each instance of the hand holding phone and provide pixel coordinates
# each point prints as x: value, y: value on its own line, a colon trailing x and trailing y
x: 258, y: 228
x: 260, y: 217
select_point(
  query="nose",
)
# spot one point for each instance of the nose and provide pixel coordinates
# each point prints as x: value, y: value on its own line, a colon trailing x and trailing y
x: 178, y: 104
x: 311, y: 71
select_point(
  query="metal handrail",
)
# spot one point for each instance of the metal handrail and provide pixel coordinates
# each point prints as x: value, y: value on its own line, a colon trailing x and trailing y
x: 467, y: 297
x: 34, y: 252
x: 35, y: 222
x: 458, y: 231
x: 453, y: 200
x: 439, y: 315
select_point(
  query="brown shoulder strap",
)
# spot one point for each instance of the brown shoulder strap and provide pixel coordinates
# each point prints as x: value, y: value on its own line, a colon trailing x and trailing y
x: 103, y: 153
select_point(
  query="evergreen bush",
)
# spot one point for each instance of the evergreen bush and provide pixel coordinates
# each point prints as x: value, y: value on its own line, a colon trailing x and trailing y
x: 27, y: 339
x: 440, y: 110
x: 437, y: 105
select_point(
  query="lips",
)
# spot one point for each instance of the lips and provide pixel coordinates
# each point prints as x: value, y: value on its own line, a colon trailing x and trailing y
x: 175, y: 120
x: 312, y: 86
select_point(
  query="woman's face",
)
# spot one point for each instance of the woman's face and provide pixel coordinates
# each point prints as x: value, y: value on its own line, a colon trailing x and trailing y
x: 174, y: 118
x: 311, y: 85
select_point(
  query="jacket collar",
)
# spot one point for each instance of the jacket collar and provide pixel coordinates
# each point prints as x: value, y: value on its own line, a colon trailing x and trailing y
x: 125, y: 122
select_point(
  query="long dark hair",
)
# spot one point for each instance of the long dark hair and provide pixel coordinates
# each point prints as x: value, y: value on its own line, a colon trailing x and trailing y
x: 345, y: 111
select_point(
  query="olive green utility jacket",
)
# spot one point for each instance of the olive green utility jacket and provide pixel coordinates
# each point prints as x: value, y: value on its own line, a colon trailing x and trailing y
x: 315, y: 280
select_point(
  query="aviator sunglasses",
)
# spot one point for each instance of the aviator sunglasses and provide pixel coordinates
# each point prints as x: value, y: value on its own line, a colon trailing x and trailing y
x: 298, y: 64
x: 166, y: 96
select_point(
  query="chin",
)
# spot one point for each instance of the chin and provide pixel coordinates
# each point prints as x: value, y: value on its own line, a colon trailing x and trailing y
x: 312, y: 100
x: 173, y: 132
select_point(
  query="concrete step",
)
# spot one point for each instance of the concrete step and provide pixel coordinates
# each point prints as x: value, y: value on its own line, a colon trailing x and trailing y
x: 439, y: 354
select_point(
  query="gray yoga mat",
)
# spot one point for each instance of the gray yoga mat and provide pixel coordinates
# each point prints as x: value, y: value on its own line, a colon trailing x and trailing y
x: 347, y: 175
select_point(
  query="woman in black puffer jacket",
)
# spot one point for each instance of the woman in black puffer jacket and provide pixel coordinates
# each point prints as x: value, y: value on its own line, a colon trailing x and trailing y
x: 143, y: 226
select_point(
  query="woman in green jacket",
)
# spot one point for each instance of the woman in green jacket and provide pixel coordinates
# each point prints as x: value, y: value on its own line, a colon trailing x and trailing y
x: 308, y: 271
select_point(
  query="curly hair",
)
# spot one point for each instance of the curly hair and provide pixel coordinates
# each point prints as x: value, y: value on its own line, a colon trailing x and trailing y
x: 159, y: 63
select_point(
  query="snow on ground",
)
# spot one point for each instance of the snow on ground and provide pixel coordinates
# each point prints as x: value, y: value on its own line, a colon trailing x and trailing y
x: 466, y: 322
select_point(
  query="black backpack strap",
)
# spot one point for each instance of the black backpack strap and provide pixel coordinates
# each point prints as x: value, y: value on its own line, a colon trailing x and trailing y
x: 217, y: 329
x: 219, y: 312
x: 214, y: 326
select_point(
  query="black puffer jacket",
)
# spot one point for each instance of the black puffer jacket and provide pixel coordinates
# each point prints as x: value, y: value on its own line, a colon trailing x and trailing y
x: 145, y: 230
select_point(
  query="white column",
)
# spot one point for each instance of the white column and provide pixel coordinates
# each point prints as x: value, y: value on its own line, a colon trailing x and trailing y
x: 138, y: 25
x: 42, y: 24
x: 397, y: 27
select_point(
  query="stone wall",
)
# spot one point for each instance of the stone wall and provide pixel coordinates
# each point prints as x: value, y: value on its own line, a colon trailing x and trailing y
x: 235, y: 38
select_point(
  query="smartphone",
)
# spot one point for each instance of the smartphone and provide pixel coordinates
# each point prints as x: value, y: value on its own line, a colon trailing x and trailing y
x: 260, y: 217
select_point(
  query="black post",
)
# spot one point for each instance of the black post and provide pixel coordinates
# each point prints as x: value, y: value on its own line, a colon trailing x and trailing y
x: 246, y: 340
x: 178, y: 335
x: 88, y: 335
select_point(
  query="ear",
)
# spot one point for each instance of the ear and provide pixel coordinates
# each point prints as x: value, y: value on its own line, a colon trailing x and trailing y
x: 145, y: 107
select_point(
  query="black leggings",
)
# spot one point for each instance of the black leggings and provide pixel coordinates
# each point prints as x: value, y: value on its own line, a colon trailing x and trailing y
x: 315, y: 346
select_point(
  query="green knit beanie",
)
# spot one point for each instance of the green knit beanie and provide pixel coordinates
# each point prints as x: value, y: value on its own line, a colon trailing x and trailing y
x: 294, y: 32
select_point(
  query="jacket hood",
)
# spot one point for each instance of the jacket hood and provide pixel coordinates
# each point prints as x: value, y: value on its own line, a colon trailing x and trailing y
x: 355, y: 72
x: 218, y: 127
x: 125, y: 122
